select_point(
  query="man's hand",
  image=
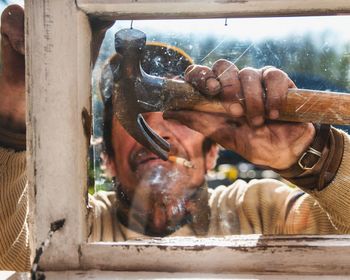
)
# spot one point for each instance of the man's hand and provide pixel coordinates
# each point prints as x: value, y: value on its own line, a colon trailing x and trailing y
x: 12, y: 83
x: 98, y: 30
x: 248, y: 96
x: 12, y: 78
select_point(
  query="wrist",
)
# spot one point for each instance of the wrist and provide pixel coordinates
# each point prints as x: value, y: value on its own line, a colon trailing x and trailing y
x: 295, y: 149
x: 315, y: 170
x: 12, y: 123
x: 12, y: 140
x: 12, y: 107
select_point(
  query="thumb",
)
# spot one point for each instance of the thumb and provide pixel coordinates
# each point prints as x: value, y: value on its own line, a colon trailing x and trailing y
x: 12, y: 27
x: 205, y: 123
x: 12, y: 44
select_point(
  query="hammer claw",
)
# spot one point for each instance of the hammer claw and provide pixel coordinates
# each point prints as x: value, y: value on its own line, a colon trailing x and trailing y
x: 157, y: 144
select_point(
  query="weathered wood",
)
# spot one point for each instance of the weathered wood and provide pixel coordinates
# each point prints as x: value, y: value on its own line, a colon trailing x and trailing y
x: 58, y: 89
x: 317, y: 107
x: 235, y: 254
x: 158, y: 9
x: 58, y: 79
x: 114, y: 275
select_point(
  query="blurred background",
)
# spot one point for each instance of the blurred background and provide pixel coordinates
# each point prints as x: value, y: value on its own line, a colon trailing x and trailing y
x: 4, y: 3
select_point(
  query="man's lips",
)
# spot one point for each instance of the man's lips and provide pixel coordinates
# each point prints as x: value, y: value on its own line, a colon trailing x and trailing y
x: 146, y: 160
x: 143, y: 157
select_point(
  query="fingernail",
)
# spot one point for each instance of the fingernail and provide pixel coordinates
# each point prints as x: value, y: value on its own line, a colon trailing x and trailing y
x: 257, y: 121
x: 236, y: 110
x: 213, y: 86
x: 274, y: 114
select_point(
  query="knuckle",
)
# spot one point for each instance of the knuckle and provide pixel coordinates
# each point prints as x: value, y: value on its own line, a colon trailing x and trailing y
x: 223, y: 66
x: 198, y: 70
x: 274, y: 74
x: 247, y: 73
x: 189, y: 69
x: 222, y: 62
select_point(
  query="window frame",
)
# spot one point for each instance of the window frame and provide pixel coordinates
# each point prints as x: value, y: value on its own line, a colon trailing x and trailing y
x: 58, y: 76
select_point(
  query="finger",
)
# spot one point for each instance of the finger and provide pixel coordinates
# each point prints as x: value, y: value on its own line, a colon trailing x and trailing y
x: 276, y: 84
x: 12, y: 27
x: 98, y: 28
x: 203, y: 78
x: 12, y: 46
x: 253, y: 95
x: 216, y: 127
x: 231, y: 95
x: 199, y: 121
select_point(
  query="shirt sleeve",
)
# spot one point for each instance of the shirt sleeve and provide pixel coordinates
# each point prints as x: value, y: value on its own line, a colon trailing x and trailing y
x: 273, y: 207
x: 335, y: 198
x: 14, y: 244
x: 269, y: 206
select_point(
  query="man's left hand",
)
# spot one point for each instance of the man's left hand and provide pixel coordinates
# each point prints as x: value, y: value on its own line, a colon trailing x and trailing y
x: 252, y: 99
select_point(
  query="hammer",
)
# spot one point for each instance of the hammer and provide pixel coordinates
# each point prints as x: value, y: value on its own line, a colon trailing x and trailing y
x: 136, y: 92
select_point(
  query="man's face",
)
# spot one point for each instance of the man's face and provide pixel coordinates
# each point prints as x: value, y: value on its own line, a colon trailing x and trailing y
x: 160, y: 191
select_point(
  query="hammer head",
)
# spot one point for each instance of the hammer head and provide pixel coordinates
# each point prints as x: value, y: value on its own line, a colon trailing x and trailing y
x: 131, y: 82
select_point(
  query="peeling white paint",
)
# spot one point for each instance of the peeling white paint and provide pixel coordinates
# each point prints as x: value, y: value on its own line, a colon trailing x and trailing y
x: 58, y: 83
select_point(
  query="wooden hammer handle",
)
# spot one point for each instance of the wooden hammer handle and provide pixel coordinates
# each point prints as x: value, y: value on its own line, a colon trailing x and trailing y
x: 300, y: 105
x: 316, y: 106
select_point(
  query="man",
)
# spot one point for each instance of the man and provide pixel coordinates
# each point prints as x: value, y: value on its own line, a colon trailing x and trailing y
x: 180, y: 203
x: 157, y: 198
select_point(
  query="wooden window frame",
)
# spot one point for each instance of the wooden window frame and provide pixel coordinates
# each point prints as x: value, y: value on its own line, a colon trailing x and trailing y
x: 58, y: 72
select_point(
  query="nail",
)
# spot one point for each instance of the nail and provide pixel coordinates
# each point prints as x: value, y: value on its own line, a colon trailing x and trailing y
x: 257, y: 121
x: 236, y: 110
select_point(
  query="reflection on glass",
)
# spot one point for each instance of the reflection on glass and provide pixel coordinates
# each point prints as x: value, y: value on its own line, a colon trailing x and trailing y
x: 203, y: 190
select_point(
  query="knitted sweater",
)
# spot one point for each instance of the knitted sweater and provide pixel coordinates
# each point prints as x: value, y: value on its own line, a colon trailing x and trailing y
x: 260, y: 206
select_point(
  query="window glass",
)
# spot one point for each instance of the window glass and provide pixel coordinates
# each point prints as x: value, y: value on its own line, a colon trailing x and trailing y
x: 161, y: 199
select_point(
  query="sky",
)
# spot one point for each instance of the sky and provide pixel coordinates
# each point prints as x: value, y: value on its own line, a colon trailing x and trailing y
x: 243, y: 28
x: 250, y: 28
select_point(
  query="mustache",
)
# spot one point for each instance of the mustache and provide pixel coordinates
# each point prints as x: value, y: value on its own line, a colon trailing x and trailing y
x: 142, y: 155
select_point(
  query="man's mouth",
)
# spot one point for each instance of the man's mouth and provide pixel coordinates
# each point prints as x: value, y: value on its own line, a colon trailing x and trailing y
x: 142, y: 157
x: 149, y: 160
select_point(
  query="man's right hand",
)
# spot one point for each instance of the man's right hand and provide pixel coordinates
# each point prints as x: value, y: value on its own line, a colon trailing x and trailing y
x: 12, y: 77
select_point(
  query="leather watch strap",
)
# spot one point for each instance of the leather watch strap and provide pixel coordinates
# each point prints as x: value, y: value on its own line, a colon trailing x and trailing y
x: 325, y: 168
x: 312, y: 155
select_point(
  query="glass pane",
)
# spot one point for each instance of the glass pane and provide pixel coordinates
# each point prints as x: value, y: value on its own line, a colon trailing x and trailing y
x: 141, y: 195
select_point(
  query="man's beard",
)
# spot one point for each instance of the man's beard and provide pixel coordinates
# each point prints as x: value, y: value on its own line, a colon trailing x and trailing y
x: 159, y: 204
